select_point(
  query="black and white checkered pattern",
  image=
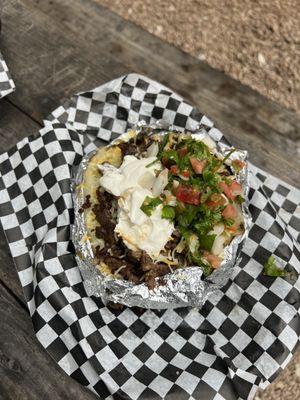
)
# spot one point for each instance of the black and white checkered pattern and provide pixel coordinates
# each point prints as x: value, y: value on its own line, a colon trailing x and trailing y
x: 240, y: 340
x: 6, y: 83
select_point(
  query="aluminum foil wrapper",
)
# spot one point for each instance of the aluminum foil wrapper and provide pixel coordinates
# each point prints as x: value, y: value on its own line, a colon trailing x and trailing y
x: 184, y: 287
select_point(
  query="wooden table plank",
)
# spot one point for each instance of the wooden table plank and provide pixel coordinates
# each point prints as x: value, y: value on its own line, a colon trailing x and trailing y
x: 27, y: 371
x: 14, y: 125
x: 72, y: 46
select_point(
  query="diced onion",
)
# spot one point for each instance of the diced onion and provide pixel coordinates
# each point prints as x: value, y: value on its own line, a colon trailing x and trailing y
x: 160, y: 182
x: 218, y: 229
x: 193, y: 243
x: 152, y: 150
x: 218, y: 245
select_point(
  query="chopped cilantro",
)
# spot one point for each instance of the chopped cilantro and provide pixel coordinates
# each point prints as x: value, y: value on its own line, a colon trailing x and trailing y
x: 239, y: 199
x: 228, y: 155
x: 229, y: 222
x: 197, y: 260
x: 149, y: 204
x: 271, y: 269
x: 170, y: 156
x: 206, y: 241
x: 203, y: 227
x: 163, y: 144
x: 206, y: 195
x: 184, y: 163
x: 152, y: 163
x: 168, y: 212
x: 186, y: 216
x: 198, y: 149
x: 211, y: 179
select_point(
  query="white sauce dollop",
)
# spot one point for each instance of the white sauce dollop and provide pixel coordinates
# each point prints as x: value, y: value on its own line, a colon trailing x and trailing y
x: 132, y: 183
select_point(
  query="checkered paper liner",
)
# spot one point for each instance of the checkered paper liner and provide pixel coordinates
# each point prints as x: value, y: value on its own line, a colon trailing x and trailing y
x: 6, y: 83
x: 240, y: 340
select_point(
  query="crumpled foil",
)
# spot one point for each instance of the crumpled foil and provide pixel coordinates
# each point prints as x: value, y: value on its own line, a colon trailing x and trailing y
x: 184, y: 287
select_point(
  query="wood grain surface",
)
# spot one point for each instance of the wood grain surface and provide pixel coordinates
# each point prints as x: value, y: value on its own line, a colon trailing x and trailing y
x: 27, y: 371
x: 58, y: 47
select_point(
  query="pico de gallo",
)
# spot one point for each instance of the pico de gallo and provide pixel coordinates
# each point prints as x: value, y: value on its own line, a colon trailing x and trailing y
x: 202, y: 198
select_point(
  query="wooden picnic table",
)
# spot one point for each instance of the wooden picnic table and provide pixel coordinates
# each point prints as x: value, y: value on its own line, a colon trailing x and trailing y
x: 58, y: 47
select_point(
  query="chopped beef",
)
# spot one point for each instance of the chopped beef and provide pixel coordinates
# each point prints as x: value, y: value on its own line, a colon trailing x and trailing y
x: 106, y: 229
x: 134, y: 148
x: 105, y: 198
x: 172, y: 243
x: 152, y: 270
x: 161, y: 281
x: 112, y: 262
x: 118, y: 249
x: 134, y: 266
x: 146, y: 262
x: 151, y: 283
x: 128, y: 148
x: 86, y: 204
x: 134, y: 256
x: 129, y: 273
x: 159, y: 269
x: 104, y: 217
x: 143, y: 141
x: 100, y: 252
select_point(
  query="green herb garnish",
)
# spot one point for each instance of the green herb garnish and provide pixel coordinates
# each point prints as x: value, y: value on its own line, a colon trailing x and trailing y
x: 152, y: 163
x: 229, y: 222
x: 149, y: 204
x: 168, y: 212
x: 239, y: 199
x: 187, y: 215
x: 206, y: 241
x: 228, y: 155
x: 163, y: 144
x: 170, y: 156
x: 271, y: 269
x: 196, y: 259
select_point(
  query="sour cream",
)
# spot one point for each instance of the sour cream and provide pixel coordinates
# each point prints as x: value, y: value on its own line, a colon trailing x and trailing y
x: 132, y: 183
x: 133, y: 172
x: 139, y: 231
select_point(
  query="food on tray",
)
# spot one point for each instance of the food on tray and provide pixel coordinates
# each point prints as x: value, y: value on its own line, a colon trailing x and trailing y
x: 159, y: 202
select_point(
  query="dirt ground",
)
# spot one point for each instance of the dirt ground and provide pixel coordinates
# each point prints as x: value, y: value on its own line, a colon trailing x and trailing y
x: 254, y: 41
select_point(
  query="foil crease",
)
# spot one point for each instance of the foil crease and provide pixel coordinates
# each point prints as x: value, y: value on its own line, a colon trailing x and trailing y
x: 184, y: 287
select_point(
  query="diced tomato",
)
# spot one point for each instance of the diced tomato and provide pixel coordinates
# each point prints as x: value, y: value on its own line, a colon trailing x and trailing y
x: 216, y: 199
x: 211, y: 204
x: 186, y: 173
x: 188, y: 195
x: 198, y: 165
x: 236, y: 188
x: 182, y: 152
x: 229, y: 212
x: 232, y: 229
x: 231, y: 190
x: 174, y: 170
x: 214, y: 261
x: 238, y: 164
